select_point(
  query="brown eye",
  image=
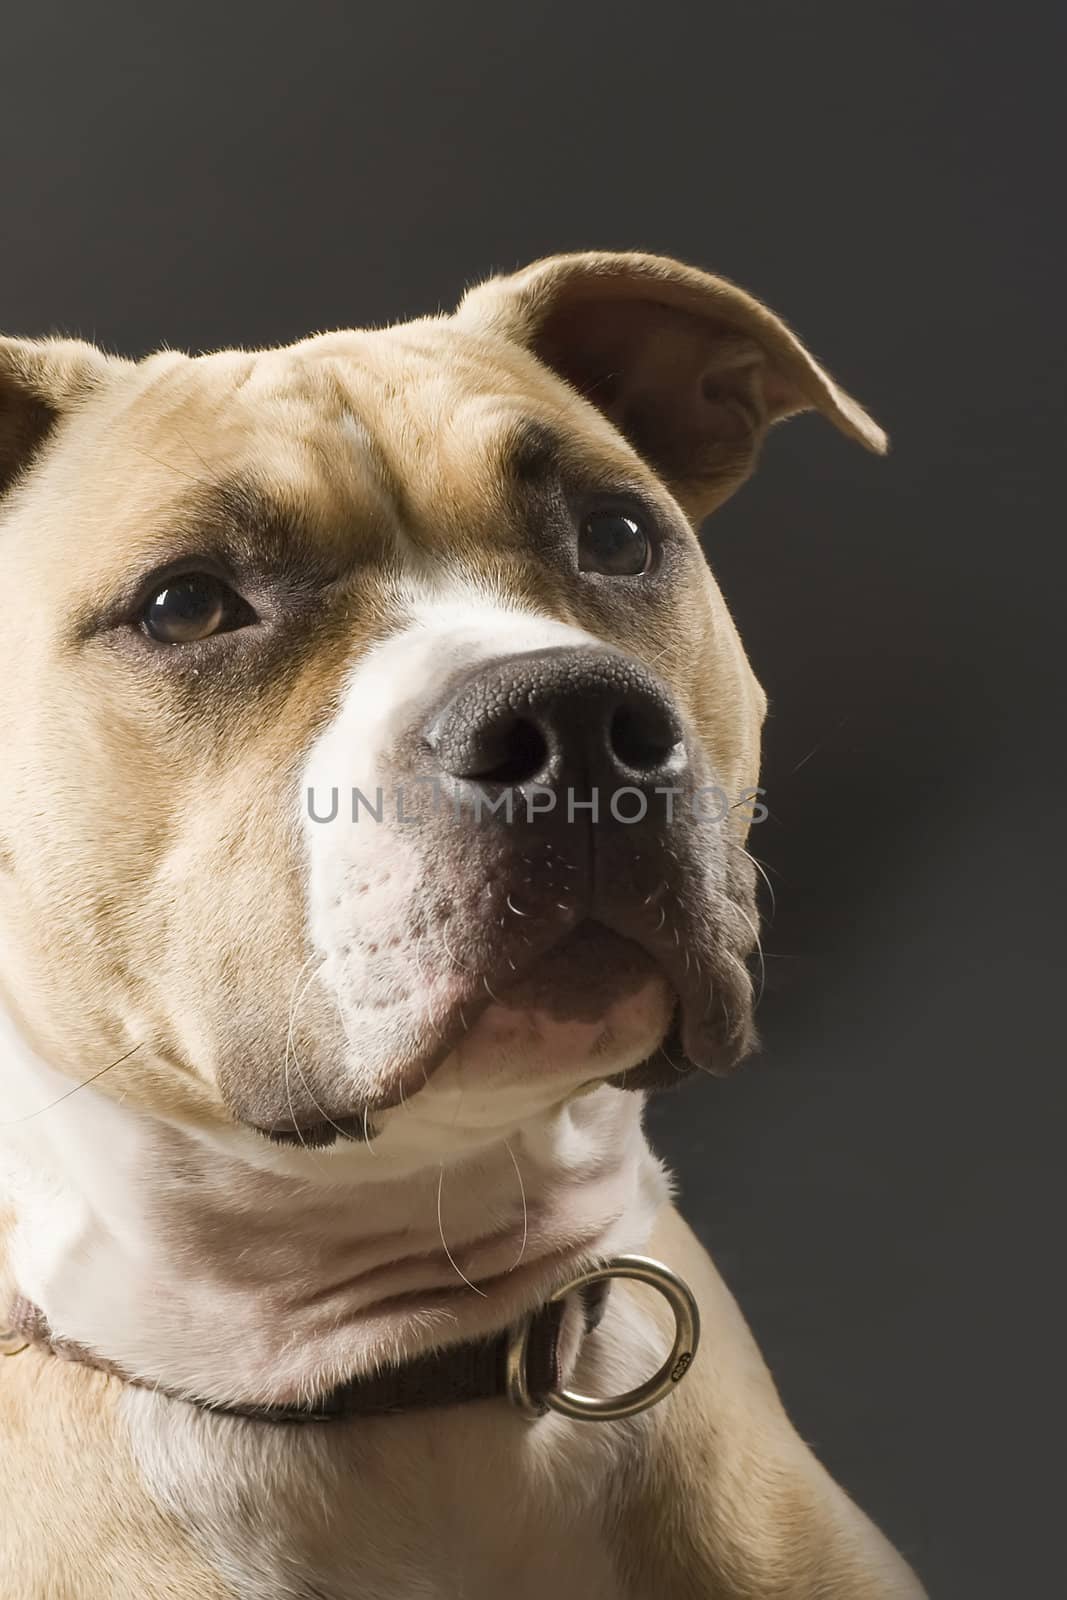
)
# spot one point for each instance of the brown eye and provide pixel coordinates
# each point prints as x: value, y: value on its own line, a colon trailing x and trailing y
x: 614, y: 544
x: 194, y: 606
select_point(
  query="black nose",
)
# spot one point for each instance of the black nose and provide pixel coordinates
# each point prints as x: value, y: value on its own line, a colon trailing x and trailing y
x: 580, y: 716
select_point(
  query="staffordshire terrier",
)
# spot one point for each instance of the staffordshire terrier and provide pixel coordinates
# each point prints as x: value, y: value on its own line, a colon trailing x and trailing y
x: 379, y: 755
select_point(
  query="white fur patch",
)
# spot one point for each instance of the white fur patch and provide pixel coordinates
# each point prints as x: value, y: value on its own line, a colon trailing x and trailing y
x: 220, y: 1267
x: 364, y: 873
x: 472, y: 1501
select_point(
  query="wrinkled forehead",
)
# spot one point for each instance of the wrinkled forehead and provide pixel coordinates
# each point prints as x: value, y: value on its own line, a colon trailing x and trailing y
x: 340, y: 484
x: 423, y: 430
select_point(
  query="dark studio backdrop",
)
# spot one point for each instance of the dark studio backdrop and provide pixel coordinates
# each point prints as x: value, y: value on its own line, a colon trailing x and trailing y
x: 879, y: 1186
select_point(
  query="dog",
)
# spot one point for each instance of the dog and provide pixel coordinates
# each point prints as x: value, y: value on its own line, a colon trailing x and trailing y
x: 379, y: 755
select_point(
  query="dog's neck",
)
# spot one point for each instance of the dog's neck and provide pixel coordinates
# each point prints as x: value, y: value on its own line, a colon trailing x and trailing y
x: 217, y: 1266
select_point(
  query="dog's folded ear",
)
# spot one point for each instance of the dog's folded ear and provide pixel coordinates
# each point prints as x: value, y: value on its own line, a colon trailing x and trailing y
x: 40, y: 380
x: 689, y: 367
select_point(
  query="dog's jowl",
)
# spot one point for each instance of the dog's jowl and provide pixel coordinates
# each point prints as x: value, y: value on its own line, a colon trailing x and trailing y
x: 379, y: 754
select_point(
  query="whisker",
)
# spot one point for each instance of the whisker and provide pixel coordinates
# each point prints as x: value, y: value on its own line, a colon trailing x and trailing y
x: 294, y: 1001
x: 817, y: 747
x: 351, y: 1044
x: 759, y: 868
x: 290, y: 1048
x: 189, y: 446
x: 456, y: 962
x: 169, y: 465
x: 292, y: 1111
x: 325, y: 1115
x: 670, y: 1060
x: 444, y: 1244
x: 739, y: 964
x: 12, y: 1122
x: 759, y: 950
x: 420, y: 940
x: 525, y: 1208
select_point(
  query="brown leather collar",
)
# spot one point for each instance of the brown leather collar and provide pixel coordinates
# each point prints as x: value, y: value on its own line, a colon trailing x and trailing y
x: 452, y: 1376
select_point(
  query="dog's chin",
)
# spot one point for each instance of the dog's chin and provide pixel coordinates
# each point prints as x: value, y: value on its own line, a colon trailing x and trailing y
x: 595, y: 1006
x: 592, y: 1007
x: 600, y: 1006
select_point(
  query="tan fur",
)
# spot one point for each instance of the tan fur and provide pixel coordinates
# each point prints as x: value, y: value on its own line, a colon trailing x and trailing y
x: 125, y: 804
x: 76, y: 1521
x: 729, y: 1502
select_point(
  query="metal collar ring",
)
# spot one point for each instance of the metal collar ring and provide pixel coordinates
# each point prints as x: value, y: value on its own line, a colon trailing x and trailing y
x: 611, y: 1408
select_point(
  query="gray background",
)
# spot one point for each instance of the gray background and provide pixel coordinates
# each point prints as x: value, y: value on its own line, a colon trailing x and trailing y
x: 879, y: 1186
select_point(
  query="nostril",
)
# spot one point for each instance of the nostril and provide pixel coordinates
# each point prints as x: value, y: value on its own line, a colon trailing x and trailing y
x: 561, y: 717
x: 512, y: 749
x: 642, y: 737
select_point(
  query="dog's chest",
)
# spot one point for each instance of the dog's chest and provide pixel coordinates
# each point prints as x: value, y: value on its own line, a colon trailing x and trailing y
x: 468, y: 1504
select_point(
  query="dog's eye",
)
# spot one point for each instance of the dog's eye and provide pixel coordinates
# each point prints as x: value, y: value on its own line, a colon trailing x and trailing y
x: 615, y: 544
x: 194, y: 606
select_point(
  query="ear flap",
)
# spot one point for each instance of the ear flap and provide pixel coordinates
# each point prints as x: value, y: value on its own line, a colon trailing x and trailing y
x: 689, y: 367
x: 39, y: 380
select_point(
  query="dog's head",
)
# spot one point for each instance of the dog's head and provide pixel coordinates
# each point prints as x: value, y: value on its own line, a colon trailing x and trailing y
x: 372, y: 720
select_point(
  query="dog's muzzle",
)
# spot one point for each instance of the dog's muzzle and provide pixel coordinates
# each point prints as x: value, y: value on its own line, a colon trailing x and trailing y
x: 550, y: 856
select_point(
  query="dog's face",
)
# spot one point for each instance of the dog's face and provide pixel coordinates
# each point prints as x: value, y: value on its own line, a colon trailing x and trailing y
x: 372, y: 722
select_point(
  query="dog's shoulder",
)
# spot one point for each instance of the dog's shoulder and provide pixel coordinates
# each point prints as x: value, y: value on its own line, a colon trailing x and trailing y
x: 87, y: 1526
x: 724, y: 1499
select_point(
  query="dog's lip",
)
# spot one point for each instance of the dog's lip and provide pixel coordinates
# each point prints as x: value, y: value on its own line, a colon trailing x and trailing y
x: 702, y: 1027
x: 320, y: 1134
x: 418, y: 1071
x: 691, y: 983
